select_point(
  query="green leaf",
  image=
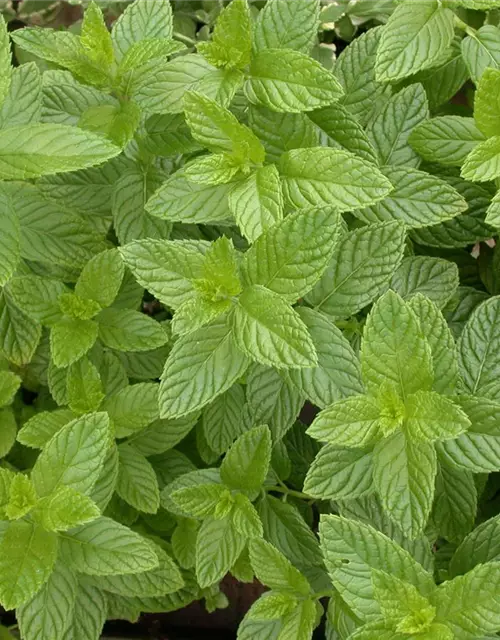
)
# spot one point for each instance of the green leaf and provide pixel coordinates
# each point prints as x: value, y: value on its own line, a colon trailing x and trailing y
x: 390, y: 127
x: 285, y: 25
x: 339, y: 473
x: 482, y: 545
x: 231, y: 41
x: 22, y: 104
x: 440, y: 339
x: 201, y: 501
x: 483, y: 162
x: 362, y: 265
x: 64, y: 509
x: 221, y: 420
x: 141, y: 22
x: 163, y: 435
x: 275, y: 571
x: 338, y: 372
x: 49, y: 613
x: 201, y: 366
x: 435, y: 278
x: 246, y: 464
x: 137, y: 483
x: 8, y: 431
x: 351, y: 422
x: 127, y: 330
x: 38, y: 297
x: 218, y: 130
x: 493, y: 212
x: 324, y: 177
x: 212, y: 170
x: 245, y: 517
x: 469, y: 604
x: 418, y: 199
x: 179, y: 199
x: 41, y: 149
x: 477, y: 349
x: 145, y: 50
x: 474, y: 452
x: 487, y: 99
x: 19, y: 334
x: 104, y: 487
x: 455, y: 505
x: 168, y: 135
x: 85, y: 392
x: 272, y: 606
x: 414, y: 38
x: 89, y: 614
x: 10, y: 243
x: 355, y: 70
x: 5, y: 61
x: 22, y: 497
x: 70, y: 339
x: 9, y: 384
x: 95, y: 37
x: 446, y: 139
x: 352, y: 549
x: 101, y: 278
x: 257, y: 202
x: 27, y: 557
x: 289, y: 81
x: 218, y: 546
x: 269, y: 331
x: 74, y: 456
x: 290, y: 257
x: 404, y: 474
x: 482, y: 51
x: 104, y: 547
x: 39, y: 429
x: 133, y: 407
x: 394, y: 348
x: 431, y: 416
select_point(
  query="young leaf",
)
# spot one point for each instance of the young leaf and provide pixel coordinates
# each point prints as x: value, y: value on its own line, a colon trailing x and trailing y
x: 414, y: 38
x: 101, y: 278
x: 269, y: 331
x: 286, y: 25
x: 431, y: 416
x: 218, y: 546
x: 64, y: 509
x: 289, y: 81
x: 274, y: 570
x: 246, y: 464
x: 95, y: 37
x: 70, y: 339
x: 290, y: 257
x: 85, y: 391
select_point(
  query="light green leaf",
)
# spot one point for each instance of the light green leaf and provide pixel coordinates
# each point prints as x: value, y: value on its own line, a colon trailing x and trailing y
x: 469, y: 604
x: 482, y: 545
x: 35, y: 150
x: 339, y: 473
x: 269, y: 331
x: 127, y: 330
x: 446, y: 139
x: 95, y: 37
x: 101, y: 278
x: 257, y: 202
x: 493, y: 212
x: 200, y: 367
x: 23, y: 101
x: 85, y: 391
x: 290, y: 257
x: 231, y: 41
x: 38, y: 297
x: 49, y: 613
x: 362, y: 265
x: 321, y: 176
x: 435, y: 278
x: 141, y: 21
x: 338, y: 372
x: 70, y: 339
x: 8, y: 431
x: 27, y: 557
x: 286, y: 25
x: 10, y: 242
x: 145, y: 50
x: 222, y: 419
x: 104, y: 487
x: 355, y: 70
x: 39, y: 429
x: 22, y: 497
x: 218, y: 546
x: 474, y: 452
x: 289, y: 81
x: 212, y: 170
x: 431, y: 416
x: 389, y: 129
x: 352, y: 549
x: 487, y: 101
x: 89, y: 613
x: 137, y: 483
x: 272, y: 606
x: 9, y: 384
x: 275, y: 571
x: 133, y: 407
x: 440, y: 339
x: 414, y: 38
x: 202, y: 500
x: 104, y: 547
x: 74, y: 456
x: 482, y: 50
x: 64, y: 509
x: 19, y: 334
x: 404, y: 474
x: 483, y: 162
x: 455, y: 505
x: 245, y: 517
x: 5, y: 61
x: 419, y: 199
x: 246, y: 464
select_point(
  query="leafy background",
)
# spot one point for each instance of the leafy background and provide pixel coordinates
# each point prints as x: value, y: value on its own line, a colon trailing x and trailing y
x: 217, y: 220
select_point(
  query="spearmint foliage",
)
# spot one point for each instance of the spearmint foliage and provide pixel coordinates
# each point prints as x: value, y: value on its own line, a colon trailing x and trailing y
x: 208, y: 223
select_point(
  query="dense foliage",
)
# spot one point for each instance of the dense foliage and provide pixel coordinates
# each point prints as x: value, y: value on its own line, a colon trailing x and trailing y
x: 207, y: 223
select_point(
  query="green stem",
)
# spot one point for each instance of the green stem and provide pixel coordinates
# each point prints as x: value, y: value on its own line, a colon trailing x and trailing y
x: 460, y: 24
x: 289, y: 492
x: 327, y: 593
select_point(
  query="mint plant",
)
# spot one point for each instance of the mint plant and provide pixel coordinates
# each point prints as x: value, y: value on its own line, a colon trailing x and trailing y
x: 249, y: 317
